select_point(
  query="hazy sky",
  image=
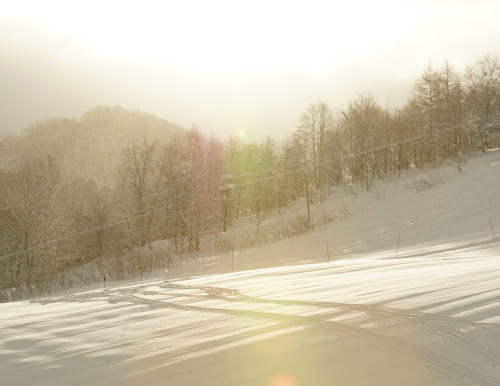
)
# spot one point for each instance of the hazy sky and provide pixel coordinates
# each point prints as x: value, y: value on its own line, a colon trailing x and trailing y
x: 245, y: 68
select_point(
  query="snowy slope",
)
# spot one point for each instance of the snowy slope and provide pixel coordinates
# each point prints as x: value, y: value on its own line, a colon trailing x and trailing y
x: 453, y: 213
x: 429, y: 317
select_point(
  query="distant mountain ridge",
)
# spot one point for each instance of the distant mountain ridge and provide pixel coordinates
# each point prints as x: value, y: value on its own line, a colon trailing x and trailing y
x: 87, y: 147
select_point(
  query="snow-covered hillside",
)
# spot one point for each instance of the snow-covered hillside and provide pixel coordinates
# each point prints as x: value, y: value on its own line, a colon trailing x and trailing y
x: 431, y: 316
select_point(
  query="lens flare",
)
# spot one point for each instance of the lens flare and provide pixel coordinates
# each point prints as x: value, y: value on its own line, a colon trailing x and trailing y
x: 282, y: 380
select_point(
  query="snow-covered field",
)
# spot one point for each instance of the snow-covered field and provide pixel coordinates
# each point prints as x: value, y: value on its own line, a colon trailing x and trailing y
x: 431, y: 316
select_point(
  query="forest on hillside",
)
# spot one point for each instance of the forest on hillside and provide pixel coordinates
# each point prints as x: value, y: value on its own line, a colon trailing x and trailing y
x: 83, y: 191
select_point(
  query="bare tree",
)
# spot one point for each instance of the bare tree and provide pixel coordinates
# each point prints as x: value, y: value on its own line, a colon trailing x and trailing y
x: 425, y: 95
x: 483, y: 88
x: 314, y: 124
x: 138, y: 172
x: 27, y: 218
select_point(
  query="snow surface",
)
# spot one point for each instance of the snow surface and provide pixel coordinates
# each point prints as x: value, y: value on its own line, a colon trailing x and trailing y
x: 431, y: 316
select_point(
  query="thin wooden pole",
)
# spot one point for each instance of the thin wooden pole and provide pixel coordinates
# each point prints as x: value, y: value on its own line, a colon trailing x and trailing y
x: 397, y: 247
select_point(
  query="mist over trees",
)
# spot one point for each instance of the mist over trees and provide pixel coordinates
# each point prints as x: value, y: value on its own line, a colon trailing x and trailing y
x: 76, y: 192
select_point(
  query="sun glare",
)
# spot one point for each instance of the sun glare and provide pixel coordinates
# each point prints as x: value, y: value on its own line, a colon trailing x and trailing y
x: 223, y: 35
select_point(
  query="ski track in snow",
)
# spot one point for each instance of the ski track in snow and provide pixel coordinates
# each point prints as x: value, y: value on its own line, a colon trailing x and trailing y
x: 168, y: 322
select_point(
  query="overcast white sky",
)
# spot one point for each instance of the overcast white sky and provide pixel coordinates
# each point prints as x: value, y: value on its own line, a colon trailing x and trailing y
x: 244, y: 68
